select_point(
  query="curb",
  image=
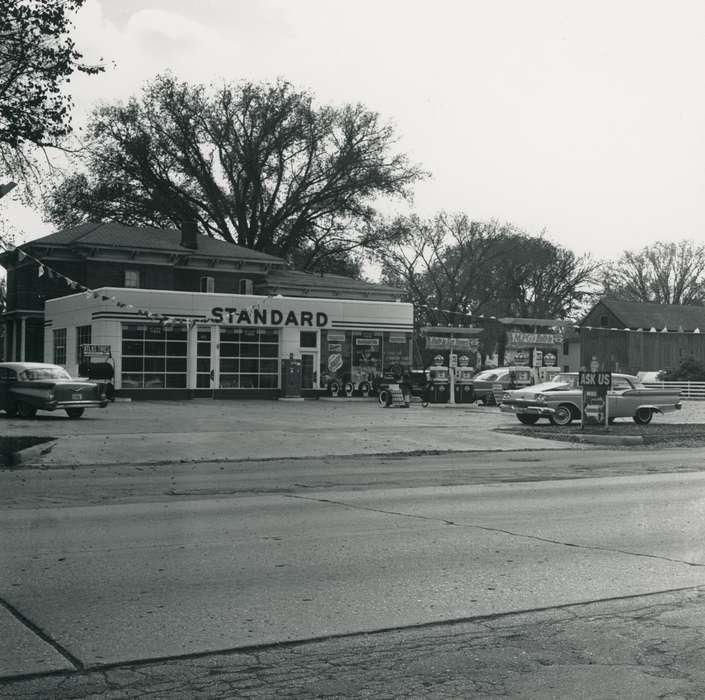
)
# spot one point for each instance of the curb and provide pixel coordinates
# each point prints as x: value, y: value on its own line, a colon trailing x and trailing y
x: 21, y: 457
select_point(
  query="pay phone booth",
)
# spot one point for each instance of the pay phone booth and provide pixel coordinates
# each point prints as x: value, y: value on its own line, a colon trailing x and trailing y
x: 451, y: 369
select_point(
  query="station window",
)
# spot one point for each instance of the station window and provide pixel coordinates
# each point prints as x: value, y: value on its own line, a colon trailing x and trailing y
x: 245, y: 286
x: 83, y: 337
x: 60, y: 346
x: 153, y: 357
x: 308, y: 339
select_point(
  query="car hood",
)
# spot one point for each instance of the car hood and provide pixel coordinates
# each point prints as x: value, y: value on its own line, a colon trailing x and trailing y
x: 531, y: 391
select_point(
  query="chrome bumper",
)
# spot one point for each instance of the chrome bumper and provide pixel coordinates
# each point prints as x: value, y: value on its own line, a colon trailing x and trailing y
x: 530, y: 410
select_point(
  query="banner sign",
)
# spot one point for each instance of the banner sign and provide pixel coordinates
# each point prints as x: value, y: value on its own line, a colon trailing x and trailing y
x: 443, y: 342
x: 95, y: 350
x: 518, y: 339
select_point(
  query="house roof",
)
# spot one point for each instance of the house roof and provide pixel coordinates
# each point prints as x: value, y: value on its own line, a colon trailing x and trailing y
x: 148, y: 238
x: 312, y: 281
x: 634, y: 314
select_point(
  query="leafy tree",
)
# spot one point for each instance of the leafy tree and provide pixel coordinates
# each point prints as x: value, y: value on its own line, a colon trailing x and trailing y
x: 662, y: 273
x: 454, y: 269
x: 451, y: 266
x: 255, y: 164
x: 689, y: 370
x: 37, y: 58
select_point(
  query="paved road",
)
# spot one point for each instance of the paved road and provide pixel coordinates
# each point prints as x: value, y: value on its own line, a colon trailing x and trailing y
x: 87, y: 585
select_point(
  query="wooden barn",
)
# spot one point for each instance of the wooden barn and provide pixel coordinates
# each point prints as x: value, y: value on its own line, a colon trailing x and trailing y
x: 634, y: 337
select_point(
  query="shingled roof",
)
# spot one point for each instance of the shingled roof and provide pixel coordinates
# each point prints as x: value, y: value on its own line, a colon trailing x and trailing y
x: 147, y: 238
x: 633, y: 314
x: 316, y: 282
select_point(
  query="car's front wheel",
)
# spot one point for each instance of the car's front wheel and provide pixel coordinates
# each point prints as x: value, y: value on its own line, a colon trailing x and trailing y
x: 563, y: 415
x: 643, y: 416
x: 528, y: 420
x: 24, y: 410
x: 75, y: 412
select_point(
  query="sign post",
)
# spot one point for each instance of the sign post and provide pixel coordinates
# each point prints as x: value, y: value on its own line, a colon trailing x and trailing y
x: 595, y: 409
x: 452, y: 364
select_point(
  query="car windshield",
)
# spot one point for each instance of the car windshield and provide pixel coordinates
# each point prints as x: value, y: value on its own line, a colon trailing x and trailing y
x: 38, y: 374
x: 564, y: 378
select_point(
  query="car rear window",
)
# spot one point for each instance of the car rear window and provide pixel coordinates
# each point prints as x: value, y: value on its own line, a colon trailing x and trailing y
x: 43, y: 374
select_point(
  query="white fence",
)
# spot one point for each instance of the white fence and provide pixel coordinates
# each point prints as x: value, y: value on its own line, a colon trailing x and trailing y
x: 688, y: 390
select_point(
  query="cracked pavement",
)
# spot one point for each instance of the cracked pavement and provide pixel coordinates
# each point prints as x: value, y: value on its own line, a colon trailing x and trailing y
x: 634, y: 648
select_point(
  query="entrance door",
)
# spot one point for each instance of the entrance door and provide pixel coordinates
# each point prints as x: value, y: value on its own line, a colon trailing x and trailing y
x: 309, y: 378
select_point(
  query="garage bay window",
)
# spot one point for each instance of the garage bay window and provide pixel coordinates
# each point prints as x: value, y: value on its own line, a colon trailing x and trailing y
x: 153, y: 357
x: 249, y: 358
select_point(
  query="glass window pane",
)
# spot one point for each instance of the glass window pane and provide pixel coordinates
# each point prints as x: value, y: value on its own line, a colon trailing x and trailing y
x: 176, y: 333
x: 249, y: 350
x: 248, y: 381
x: 269, y: 366
x: 229, y: 381
x: 153, y: 381
x: 204, y: 336
x: 131, y: 381
x: 203, y: 381
x: 269, y: 381
x: 229, y: 350
x: 176, y: 349
x: 248, y: 365
x: 154, y: 364
x: 176, y: 364
x: 269, y: 337
x: 132, y: 347
x: 132, y: 330
x: 203, y: 365
x: 155, y: 333
x: 308, y: 339
x: 269, y: 351
x: 132, y: 364
x: 154, y: 347
x: 176, y: 381
x: 204, y: 349
x: 229, y: 365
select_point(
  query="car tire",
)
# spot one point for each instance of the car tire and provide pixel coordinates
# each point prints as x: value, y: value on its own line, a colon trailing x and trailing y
x: 384, y: 398
x: 75, y: 412
x: 334, y: 389
x: 563, y: 415
x: 364, y: 389
x: 528, y: 420
x: 24, y: 410
x: 643, y: 416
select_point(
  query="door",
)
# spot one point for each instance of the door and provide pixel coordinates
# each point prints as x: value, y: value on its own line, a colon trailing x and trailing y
x: 309, y: 376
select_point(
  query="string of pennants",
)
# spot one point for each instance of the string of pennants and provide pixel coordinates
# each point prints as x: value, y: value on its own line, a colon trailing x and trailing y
x: 652, y: 329
x: 165, y: 319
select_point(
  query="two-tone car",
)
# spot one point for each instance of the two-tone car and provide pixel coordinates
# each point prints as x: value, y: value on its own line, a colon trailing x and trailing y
x: 492, y: 383
x: 561, y: 400
x: 28, y: 387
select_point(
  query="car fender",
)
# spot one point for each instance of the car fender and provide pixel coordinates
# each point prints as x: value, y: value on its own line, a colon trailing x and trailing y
x: 650, y: 407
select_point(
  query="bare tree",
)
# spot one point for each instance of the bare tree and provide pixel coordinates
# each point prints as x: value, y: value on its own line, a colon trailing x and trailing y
x: 255, y: 164
x: 662, y: 273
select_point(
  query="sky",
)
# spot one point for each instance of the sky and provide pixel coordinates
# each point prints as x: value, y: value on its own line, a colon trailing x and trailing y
x: 584, y: 120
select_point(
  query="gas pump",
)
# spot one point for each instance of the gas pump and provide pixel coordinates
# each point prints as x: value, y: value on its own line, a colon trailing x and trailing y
x: 438, y: 381
x: 102, y: 371
x: 464, y: 390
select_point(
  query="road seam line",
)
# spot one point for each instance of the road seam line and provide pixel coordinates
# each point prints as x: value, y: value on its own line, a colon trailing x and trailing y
x: 498, y: 530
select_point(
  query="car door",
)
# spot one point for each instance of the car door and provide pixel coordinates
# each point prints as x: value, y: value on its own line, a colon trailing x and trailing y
x: 622, y: 399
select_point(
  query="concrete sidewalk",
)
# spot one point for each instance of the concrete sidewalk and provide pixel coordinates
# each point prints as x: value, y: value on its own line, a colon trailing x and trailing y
x: 158, y: 432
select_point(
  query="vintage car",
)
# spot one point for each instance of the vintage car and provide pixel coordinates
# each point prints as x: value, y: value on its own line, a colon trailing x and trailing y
x: 491, y: 382
x: 561, y: 400
x: 28, y: 387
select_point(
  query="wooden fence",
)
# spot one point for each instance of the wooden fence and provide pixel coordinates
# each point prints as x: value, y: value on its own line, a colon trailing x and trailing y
x: 688, y: 390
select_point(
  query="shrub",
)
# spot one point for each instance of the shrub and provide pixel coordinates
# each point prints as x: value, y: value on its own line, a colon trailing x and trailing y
x: 690, y: 370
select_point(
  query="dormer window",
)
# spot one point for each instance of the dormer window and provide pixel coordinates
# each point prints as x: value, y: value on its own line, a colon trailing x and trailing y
x: 132, y: 278
x: 208, y: 285
x: 245, y: 286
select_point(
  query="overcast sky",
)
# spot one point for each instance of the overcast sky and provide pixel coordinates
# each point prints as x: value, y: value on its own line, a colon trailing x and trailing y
x: 586, y: 119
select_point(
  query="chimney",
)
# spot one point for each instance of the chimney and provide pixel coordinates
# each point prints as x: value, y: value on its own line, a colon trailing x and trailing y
x: 189, y: 234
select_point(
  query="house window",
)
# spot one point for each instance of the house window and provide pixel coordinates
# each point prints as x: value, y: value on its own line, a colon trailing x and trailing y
x: 245, y: 286
x: 60, y: 346
x: 132, y: 278
x: 604, y: 321
x: 308, y: 339
x: 83, y: 337
x: 208, y: 285
x: 566, y: 348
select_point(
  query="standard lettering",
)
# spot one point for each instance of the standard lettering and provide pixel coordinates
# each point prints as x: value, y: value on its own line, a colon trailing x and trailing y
x: 321, y: 319
x: 260, y: 316
x: 276, y: 317
x: 217, y: 314
x: 230, y: 310
x: 306, y: 318
x: 291, y: 319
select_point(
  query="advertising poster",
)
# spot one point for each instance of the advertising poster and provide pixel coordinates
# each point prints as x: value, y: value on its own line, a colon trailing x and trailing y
x: 367, y: 358
x: 595, y: 386
x: 335, y: 356
x: 396, y: 351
